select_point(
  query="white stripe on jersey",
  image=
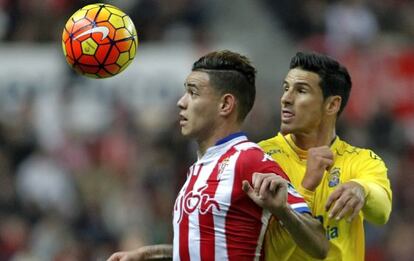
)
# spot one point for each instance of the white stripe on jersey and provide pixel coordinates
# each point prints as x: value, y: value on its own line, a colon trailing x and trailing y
x: 176, y: 238
x: 223, y: 196
x: 299, y: 205
x: 194, y: 237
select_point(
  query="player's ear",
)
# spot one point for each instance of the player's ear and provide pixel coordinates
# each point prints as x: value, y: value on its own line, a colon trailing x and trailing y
x: 333, y: 104
x: 227, y: 104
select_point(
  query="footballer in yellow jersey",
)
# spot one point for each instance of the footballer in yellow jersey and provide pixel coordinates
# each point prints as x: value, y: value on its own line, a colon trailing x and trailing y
x: 342, y: 184
x: 350, y: 164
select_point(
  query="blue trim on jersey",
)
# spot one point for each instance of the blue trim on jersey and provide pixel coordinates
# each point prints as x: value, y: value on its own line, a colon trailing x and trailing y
x: 230, y: 137
x: 303, y: 210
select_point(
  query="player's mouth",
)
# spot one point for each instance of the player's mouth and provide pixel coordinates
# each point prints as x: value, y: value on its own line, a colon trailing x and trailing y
x: 287, y: 115
x: 183, y: 120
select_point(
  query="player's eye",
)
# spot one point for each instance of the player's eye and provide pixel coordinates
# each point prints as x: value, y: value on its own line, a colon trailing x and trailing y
x: 302, y: 90
x: 192, y: 92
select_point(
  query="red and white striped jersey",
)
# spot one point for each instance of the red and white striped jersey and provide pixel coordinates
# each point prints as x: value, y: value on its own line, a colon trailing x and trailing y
x: 214, y: 219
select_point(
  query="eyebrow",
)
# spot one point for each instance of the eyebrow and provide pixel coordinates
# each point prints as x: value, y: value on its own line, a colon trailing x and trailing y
x: 189, y: 84
x: 299, y: 83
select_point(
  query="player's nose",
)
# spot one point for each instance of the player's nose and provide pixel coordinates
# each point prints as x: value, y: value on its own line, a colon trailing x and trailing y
x: 287, y: 98
x: 181, y: 103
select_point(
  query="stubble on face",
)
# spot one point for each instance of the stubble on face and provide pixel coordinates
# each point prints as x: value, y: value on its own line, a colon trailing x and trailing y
x: 301, y: 102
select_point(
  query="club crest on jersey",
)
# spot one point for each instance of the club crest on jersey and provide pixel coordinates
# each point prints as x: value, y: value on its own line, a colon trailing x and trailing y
x: 193, y: 200
x: 221, y: 166
x: 333, y: 179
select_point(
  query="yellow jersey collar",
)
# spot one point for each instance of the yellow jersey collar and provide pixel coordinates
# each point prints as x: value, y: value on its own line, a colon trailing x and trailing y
x: 303, y: 154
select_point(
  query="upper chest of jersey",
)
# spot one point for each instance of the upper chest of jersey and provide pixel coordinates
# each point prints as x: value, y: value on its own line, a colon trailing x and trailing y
x: 212, y: 179
x: 341, y: 171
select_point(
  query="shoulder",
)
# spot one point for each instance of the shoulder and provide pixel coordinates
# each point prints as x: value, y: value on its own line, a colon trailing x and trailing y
x: 250, y: 152
x: 252, y: 158
x: 273, y: 143
x: 357, y: 155
x: 278, y: 148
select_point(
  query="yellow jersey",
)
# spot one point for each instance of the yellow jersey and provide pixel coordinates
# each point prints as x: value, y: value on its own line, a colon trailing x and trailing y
x: 347, y: 240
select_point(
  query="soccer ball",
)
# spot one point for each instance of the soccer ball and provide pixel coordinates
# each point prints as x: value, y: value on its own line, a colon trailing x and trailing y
x: 99, y: 41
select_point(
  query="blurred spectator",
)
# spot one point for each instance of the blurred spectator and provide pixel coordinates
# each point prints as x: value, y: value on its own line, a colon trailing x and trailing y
x: 399, y: 244
x: 349, y: 24
x: 42, y: 182
x: 301, y: 19
x: 155, y: 20
x: 14, y: 233
x: 4, y: 19
x: 176, y: 20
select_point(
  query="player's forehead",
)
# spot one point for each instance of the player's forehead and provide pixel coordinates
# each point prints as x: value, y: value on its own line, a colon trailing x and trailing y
x: 198, y: 79
x: 299, y: 76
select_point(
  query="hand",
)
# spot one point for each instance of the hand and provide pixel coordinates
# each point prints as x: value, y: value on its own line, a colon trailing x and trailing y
x: 269, y: 191
x: 319, y: 160
x: 348, y: 197
x: 152, y: 252
x: 134, y: 255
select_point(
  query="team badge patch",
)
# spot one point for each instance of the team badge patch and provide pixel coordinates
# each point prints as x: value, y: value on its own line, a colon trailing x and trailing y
x: 221, y: 166
x: 334, y: 177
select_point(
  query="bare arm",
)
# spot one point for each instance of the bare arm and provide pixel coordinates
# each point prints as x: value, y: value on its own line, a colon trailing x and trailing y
x: 143, y: 253
x: 306, y: 231
x: 270, y: 192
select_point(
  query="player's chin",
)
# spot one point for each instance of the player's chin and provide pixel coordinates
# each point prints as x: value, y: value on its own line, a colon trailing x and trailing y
x: 286, y: 128
x: 185, y: 132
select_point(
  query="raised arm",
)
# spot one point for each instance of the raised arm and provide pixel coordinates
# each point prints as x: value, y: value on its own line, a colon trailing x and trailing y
x: 270, y: 191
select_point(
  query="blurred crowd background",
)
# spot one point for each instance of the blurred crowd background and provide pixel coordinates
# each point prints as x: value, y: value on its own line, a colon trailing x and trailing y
x: 88, y: 167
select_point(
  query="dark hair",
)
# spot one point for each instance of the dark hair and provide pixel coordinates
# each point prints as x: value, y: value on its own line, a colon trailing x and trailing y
x: 335, y: 79
x: 233, y: 73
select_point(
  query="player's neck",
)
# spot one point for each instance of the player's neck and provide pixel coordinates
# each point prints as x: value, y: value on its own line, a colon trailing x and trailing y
x: 322, y: 136
x: 218, y: 134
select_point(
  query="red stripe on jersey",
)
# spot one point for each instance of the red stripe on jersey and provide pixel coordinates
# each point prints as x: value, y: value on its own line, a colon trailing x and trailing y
x: 184, y: 248
x: 206, y: 221
x: 243, y: 210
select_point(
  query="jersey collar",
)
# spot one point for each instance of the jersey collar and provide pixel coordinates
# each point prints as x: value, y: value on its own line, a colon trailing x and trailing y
x: 303, y: 154
x: 222, y: 146
x: 230, y: 137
